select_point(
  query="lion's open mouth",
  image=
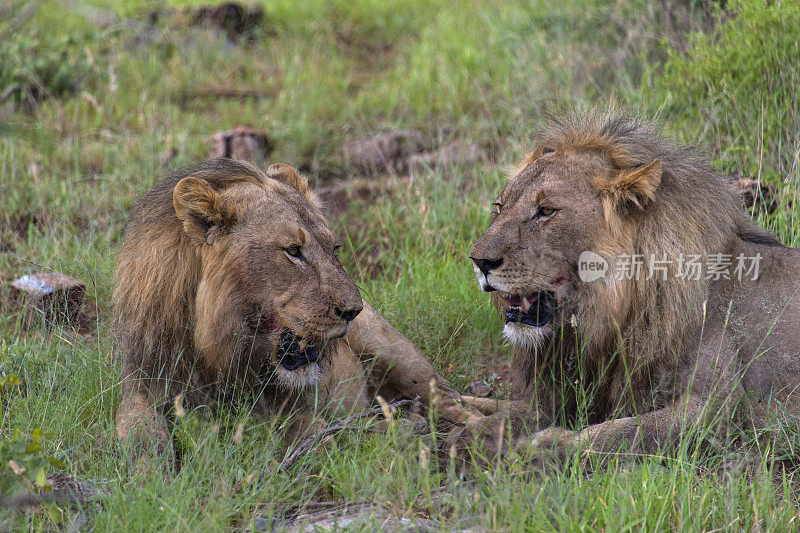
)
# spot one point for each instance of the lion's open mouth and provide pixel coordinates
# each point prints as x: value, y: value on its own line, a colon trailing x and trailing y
x: 295, y: 352
x: 537, y: 309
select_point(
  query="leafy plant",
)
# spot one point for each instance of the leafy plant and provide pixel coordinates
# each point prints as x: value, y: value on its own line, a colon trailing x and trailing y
x: 31, y: 69
x: 23, y: 463
x: 741, y: 80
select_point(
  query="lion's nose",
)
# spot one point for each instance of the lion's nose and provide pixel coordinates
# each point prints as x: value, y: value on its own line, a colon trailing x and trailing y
x: 348, y: 314
x: 486, y: 265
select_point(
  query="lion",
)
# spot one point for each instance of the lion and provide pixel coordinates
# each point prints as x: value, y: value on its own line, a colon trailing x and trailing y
x: 228, y: 286
x: 611, y: 358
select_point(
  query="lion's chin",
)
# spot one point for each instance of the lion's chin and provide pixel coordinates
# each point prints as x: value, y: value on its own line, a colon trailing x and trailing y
x: 300, y: 378
x: 526, y: 337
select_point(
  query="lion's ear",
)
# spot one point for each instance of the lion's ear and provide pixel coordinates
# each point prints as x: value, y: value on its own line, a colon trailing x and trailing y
x: 533, y: 156
x: 288, y: 175
x: 631, y: 188
x: 201, y: 209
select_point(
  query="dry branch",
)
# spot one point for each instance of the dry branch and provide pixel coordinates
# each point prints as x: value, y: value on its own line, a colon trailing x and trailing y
x: 339, y: 425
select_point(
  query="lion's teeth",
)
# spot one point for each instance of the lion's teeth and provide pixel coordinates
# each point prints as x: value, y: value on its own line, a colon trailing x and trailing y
x: 526, y: 305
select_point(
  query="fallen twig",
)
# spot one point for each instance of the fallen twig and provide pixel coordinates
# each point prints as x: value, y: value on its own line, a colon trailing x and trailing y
x: 336, y: 427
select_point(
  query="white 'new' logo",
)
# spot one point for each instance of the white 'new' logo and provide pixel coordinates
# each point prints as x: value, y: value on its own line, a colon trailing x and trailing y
x: 591, y: 266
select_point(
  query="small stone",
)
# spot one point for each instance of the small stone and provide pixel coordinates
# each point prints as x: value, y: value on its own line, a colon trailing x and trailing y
x: 242, y: 142
x: 478, y: 388
x: 53, y: 296
x: 386, y: 151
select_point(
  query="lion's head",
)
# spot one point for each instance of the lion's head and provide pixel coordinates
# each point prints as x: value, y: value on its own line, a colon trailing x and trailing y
x: 597, y: 189
x: 236, y: 270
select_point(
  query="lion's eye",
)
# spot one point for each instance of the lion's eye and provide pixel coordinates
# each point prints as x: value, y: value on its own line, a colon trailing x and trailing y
x: 294, y: 250
x: 545, y: 212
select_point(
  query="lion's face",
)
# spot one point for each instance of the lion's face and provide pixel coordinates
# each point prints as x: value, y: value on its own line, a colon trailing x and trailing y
x: 272, y: 291
x: 545, y: 217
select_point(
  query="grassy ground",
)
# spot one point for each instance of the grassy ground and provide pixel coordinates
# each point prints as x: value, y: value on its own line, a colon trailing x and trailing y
x: 72, y: 165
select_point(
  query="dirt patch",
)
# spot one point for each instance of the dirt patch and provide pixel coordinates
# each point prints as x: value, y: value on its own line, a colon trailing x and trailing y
x: 406, y: 152
x: 455, y: 154
x: 338, y: 195
x: 383, y: 152
x: 389, y: 516
x: 237, y: 21
x: 371, y: 52
x: 336, y: 516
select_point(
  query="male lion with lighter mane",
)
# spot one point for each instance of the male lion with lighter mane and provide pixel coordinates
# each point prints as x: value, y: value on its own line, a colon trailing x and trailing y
x: 228, y: 285
x: 625, y: 266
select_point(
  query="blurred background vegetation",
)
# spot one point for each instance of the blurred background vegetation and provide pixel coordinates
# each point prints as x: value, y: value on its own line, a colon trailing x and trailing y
x: 100, y: 99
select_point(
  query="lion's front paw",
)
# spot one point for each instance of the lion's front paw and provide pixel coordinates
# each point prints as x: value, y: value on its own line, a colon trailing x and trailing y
x: 480, y: 440
x: 144, y: 437
x: 552, y: 437
x: 548, y: 449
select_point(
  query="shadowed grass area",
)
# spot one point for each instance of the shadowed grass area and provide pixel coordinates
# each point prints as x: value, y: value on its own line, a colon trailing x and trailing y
x: 72, y: 165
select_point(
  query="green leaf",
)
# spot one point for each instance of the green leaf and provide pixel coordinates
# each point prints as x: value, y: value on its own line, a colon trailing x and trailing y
x: 56, y: 515
x: 33, y: 447
x: 41, y: 478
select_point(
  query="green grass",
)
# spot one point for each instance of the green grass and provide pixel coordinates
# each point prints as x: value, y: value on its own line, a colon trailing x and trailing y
x: 72, y: 167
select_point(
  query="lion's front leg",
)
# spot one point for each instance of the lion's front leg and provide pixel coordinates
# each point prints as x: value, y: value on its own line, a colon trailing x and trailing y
x: 495, y: 406
x: 486, y: 437
x: 344, y: 387
x: 399, y: 368
x: 652, y: 432
x: 141, y: 423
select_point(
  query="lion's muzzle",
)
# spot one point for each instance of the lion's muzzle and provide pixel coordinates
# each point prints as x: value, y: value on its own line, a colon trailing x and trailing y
x: 293, y: 354
x: 535, y: 310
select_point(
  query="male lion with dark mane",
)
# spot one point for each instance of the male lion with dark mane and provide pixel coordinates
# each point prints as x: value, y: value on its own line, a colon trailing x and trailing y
x: 627, y: 270
x: 228, y: 284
